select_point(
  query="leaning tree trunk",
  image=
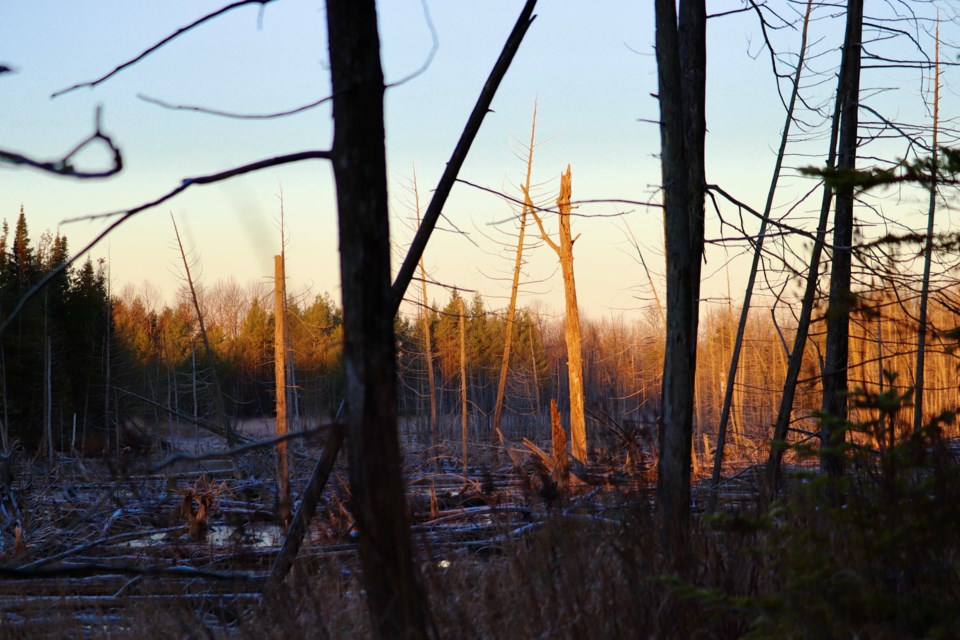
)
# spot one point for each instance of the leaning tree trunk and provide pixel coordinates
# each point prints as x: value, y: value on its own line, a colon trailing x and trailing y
x: 207, y: 349
x: 795, y: 362
x: 395, y: 598
x: 512, y: 306
x: 927, y: 252
x: 754, y: 268
x: 841, y: 298
x: 681, y: 66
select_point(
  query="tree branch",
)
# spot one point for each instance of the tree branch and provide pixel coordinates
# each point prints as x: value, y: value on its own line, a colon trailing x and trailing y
x: 229, y: 114
x: 63, y: 166
x: 176, y: 34
x: 412, y: 259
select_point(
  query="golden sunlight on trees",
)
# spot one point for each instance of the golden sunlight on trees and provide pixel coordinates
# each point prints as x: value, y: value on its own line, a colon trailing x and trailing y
x: 171, y: 460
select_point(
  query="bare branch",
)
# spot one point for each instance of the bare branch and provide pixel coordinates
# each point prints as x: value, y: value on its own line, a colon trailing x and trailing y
x: 63, y: 166
x: 176, y: 34
x: 229, y: 114
x: 509, y: 198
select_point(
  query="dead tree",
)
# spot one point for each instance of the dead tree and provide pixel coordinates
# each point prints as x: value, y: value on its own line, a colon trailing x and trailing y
x: 512, y: 306
x: 464, y: 412
x: 425, y: 323
x: 217, y: 392
x: 280, y: 375
x: 322, y: 470
x: 564, y: 251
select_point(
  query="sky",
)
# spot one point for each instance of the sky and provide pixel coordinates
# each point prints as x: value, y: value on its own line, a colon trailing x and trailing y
x: 588, y: 66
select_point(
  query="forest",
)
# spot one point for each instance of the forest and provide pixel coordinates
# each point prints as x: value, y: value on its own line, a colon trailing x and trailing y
x: 406, y: 456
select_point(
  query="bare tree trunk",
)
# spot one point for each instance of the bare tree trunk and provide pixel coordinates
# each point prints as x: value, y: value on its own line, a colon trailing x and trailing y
x: 795, y: 362
x: 395, y: 598
x: 927, y: 251
x: 427, y: 346
x: 211, y: 361
x: 564, y: 250
x: 280, y: 373
x: 470, y: 130
x: 106, y: 391
x: 463, y: 385
x: 754, y: 267
x: 681, y: 64
x: 841, y: 298
x: 512, y: 307
x: 47, y: 383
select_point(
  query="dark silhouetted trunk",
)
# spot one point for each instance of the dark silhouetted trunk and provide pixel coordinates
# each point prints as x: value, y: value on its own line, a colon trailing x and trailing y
x: 396, y: 601
x: 841, y: 298
x: 681, y: 64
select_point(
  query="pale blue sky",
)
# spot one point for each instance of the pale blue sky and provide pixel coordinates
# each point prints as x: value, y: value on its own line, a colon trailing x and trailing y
x: 589, y: 64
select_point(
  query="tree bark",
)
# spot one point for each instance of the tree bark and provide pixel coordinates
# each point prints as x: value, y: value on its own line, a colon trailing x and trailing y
x: 841, y: 298
x: 395, y: 598
x: 681, y: 65
x: 560, y: 473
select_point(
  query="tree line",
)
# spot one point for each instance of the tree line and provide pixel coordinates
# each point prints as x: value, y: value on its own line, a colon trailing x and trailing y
x: 53, y: 356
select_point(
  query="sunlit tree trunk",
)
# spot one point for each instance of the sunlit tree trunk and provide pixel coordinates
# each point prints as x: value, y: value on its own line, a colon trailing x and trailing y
x: 280, y: 375
x: 512, y: 307
x: 564, y: 250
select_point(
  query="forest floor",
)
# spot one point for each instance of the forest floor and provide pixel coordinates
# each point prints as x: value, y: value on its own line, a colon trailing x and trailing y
x: 101, y: 547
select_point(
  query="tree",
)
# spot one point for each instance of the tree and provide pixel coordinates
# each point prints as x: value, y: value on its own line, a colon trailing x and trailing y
x: 564, y: 251
x: 512, y: 306
x: 395, y: 598
x: 681, y: 66
x: 841, y: 298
